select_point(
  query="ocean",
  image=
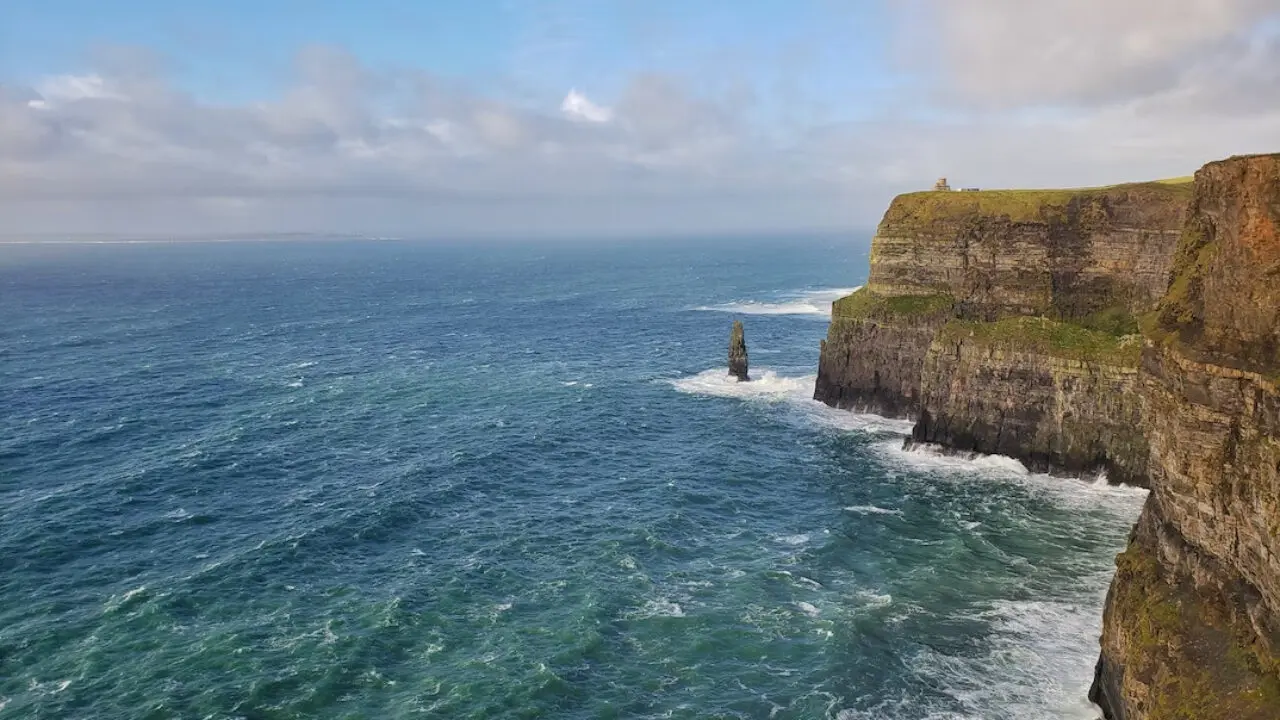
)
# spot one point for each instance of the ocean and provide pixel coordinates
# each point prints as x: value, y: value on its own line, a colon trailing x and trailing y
x: 394, y: 479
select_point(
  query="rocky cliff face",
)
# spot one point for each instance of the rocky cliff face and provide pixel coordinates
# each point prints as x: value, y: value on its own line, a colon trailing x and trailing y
x: 931, y: 335
x: 1192, y: 625
x: 1057, y: 253
x: 875, y: 350
x: 1056, y: 397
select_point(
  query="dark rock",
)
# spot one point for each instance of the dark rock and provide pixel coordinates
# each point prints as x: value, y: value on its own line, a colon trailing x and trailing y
x: 738, y: 352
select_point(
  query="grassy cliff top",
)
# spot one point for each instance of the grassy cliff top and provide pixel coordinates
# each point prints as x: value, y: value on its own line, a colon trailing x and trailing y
x: 1042, y: 336
x: 865, y: 304
x: 1028, y: 205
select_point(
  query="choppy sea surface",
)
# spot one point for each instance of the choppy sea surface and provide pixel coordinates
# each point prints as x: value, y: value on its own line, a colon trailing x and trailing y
x: 441, y: 480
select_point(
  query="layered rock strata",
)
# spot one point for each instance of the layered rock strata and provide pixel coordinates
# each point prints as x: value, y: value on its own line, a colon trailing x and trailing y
x: 943, y: 333
x: 1192, y: 622
x: 1056, y: 396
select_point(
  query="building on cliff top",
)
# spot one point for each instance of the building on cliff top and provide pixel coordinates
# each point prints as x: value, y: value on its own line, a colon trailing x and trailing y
x: 941, y: 185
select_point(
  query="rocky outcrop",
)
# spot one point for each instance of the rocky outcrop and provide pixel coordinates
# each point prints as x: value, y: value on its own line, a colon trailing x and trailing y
x: 937, y: 333
x: 875, y: 349
x: 738, y: 352
x: 1192, y: 623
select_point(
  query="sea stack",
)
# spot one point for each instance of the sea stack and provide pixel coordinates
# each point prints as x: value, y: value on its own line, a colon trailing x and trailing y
x: 738, y: 352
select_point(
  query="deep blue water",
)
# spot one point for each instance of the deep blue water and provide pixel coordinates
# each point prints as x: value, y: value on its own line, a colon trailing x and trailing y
x: 400, y: 480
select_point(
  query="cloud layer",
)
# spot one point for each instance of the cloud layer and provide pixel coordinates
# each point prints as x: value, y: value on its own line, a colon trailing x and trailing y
x: 990, y: 92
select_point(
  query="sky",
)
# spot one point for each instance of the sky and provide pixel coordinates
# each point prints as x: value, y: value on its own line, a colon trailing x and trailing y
x: 600, y: 118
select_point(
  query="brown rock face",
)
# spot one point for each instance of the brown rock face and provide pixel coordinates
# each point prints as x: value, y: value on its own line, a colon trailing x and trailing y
x: 1054, y: 413
x: 872, y: 362
x: 1192, y: 625
x: 1058, y: 253
x: 930, y: 336
x: 738, y: 352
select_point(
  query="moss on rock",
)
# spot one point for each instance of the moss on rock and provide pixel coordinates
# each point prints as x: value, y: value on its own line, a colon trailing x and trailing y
x: 1188, y: 655
x: 1043, y: 336
x: 1048, y: 205
x: 865, y: 304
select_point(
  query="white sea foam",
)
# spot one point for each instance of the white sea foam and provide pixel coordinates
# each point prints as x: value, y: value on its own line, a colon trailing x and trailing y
x: 798, y: 539
x: 871, y: 510
x: 116, y: 602
x: 1036, y: 665
x: 805, y: 302
x: 796, y: 392
x: 659, y: 607
x: 766, y: 385
x: 808, y: 609
x: 1123, y: 500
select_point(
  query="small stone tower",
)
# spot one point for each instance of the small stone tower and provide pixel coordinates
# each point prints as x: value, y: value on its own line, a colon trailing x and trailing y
x: 941, y: 186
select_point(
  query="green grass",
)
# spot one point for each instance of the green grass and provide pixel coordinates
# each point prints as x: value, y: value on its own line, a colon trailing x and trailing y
x: 1042, y: 336
x: 1202, y: 662
x: 1196, y: 251
x: 865, y: 304
x: 1116, y: 321
x: 1020, y: 205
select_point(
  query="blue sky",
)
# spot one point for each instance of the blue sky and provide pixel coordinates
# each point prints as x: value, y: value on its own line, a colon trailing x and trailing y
x: 240, y: 51
x: 456, y: 117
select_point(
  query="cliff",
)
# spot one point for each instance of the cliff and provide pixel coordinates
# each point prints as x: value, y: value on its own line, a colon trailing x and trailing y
x: 942, y: 330
x: 1059, y: 253
x: 1058, y: 396
x: 874, y: 351
x: 1192, y: 622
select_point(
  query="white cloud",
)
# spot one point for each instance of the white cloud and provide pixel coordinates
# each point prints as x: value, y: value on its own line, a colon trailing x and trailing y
x: 1006, y: 53
x: 1010, y: 94
x: 67, y: 88
x: 577, y: 106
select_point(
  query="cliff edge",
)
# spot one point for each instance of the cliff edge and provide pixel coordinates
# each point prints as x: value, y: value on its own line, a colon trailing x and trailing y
x: 1005, y: 321
x: 1192, y: 622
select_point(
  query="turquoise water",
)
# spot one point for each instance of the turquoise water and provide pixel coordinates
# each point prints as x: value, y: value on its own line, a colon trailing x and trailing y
x: 399, y: 480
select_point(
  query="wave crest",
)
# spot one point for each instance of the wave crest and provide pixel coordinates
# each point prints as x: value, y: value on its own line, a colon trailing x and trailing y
x: 805, y: 302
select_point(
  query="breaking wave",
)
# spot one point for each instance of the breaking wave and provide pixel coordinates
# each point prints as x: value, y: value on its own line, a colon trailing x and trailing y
x: 794, y: 393
x: 807, y: 302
